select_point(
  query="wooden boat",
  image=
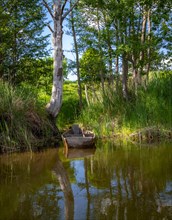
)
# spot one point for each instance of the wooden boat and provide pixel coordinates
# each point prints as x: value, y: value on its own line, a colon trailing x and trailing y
x: 76, y: 138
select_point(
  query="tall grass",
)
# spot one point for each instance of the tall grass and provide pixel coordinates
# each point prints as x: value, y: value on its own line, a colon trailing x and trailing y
x: 23, y: 121
x: 150, y: 107
x: 70, y: 107
x: 110, y: 114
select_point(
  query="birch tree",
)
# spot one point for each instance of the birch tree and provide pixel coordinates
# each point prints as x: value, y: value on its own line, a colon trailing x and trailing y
x: 58, y: 13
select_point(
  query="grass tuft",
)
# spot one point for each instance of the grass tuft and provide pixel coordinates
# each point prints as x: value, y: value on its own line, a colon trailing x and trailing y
x: 24, y: 124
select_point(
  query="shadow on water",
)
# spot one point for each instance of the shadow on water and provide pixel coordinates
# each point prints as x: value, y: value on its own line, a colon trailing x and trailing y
x: 111, y: 182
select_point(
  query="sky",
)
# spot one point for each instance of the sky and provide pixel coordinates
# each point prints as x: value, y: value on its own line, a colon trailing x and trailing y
x: 67, y: 46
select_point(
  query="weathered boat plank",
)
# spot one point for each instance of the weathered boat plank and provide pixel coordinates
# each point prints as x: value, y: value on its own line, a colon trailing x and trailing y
x: 76, y: 138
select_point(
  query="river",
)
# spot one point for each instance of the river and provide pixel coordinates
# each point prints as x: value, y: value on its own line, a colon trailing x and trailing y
x: 109, y: 182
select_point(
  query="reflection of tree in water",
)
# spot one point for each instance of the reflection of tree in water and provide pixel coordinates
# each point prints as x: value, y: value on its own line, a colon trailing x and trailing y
x: 44, y: 204
x: 29, y: 190
x: 137, y: 184
x: 65, y: 185
x: 24, y: 178
x: 117, y: 184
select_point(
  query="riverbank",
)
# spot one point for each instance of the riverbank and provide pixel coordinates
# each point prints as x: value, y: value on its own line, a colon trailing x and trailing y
x: 24, y: 124
x: 145, y: 118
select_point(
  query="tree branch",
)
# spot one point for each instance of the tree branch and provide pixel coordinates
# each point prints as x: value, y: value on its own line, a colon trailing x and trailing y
x: 48, y: 8
x: 64, y: 6
x: 71, y: 8
x: 50, y: 28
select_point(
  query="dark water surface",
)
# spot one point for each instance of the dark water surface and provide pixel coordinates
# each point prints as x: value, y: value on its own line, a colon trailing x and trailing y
x: 111, y: 182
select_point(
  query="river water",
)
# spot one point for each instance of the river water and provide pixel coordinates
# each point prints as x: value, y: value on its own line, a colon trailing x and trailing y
x: 109, y: 182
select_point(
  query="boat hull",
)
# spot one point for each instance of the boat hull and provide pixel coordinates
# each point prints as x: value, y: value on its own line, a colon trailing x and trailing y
x: 80, y: 142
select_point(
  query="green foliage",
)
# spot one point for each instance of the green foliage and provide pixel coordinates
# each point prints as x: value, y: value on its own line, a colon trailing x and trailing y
x: 92, y: 65
x: 21, y: 38
x: 40, y: 76
x: 115, y: 28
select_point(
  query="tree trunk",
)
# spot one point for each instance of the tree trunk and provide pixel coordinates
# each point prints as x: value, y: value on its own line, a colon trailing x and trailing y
x: 101, y: 53
x: 86, y: 95
x: 58, y: 15
x: 124, y: 76
x: 77, y: 60
x: 53, y: 107
x: 117, y: 56
x: 142, y: 53
x: 109, y: 47
x: 135, y: 72
x: 149, y: 50
x: 1, y: 61
x: 111, y: 79
x: 117, y: 73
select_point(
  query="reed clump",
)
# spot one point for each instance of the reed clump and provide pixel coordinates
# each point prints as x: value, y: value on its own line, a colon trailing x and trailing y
x: 24, y: 124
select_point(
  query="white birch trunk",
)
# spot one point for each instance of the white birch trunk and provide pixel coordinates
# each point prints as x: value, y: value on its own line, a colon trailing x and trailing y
x: 58, y: 15
x: 53, y: 107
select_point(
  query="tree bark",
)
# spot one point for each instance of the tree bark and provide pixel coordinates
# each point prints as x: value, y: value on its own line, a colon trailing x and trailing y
x: 101, y: 52
x: 117, y: 73
x: 86, y: 95
x: 53, y: 107
x: 111, y: 78
x: 149, y: 39
x: 117, y: 56
x: 77, y: 61
x: 142, y: 41
x: 124, y: 76
x: 109, y: 50
x: 58, y: 15
x: 1, y: 55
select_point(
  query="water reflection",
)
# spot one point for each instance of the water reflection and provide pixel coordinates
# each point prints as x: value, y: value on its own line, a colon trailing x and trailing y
x: 124, y: 184
x: 73, y: 153
x: 65, y: 185
x: 28, y: 190
x: 109, y: 183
